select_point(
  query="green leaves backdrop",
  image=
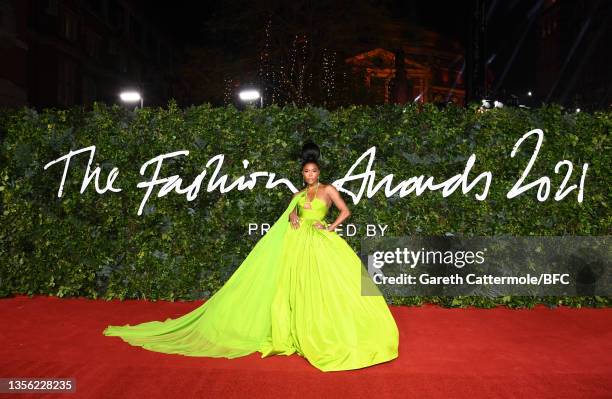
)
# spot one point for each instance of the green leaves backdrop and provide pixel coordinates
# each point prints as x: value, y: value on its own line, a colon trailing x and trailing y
x: 97, y: 246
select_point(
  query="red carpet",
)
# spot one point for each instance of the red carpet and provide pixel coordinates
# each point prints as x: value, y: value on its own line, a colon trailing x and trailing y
x: 444, y: 353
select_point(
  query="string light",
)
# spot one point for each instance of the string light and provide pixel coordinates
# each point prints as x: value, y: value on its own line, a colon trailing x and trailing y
x: 229, y: 90
x: 328, y: 81
x: 265, y: 68
x: 290, y: 78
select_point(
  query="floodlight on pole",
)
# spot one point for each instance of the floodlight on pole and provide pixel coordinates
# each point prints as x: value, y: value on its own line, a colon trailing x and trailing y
x: 131, y: 97
x: 251, y: 95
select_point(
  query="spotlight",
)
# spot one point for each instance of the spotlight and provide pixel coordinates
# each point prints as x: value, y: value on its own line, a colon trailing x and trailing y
x: 248, y: 95
x: 131, y: 97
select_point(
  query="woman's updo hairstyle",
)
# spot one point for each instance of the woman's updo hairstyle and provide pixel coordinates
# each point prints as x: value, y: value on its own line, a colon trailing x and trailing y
x: 310, y: 153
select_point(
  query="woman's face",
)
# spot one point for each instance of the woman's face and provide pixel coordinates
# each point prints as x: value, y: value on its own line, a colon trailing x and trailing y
x: 310, y: 172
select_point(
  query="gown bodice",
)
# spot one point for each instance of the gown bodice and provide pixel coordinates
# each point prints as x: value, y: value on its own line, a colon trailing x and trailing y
x: 317, y: 211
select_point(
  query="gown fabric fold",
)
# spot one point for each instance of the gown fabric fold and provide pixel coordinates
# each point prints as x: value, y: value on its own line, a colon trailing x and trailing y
x: 297, y: 291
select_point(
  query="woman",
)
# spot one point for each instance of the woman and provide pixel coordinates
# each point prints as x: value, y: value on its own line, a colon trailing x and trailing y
x: 299, y: 290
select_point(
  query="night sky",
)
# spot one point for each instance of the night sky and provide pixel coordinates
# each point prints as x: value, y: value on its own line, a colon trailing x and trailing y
x: 233, y: 28
x: 195, y: 23
x: 186, y: 21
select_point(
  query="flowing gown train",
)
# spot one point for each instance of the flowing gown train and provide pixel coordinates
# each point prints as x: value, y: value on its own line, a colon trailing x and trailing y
x: 297, y: 291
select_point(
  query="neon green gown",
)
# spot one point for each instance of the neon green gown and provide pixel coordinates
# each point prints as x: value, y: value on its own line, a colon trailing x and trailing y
x: 297, y: 291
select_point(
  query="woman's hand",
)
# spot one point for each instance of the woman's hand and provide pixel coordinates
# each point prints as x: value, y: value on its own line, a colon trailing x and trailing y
x: 294, y: 220
x: 319, y: 225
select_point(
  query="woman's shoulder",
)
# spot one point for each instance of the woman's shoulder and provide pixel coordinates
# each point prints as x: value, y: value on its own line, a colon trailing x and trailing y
x: 328, y: 187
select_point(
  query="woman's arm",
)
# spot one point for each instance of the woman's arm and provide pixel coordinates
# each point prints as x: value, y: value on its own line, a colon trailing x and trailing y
x: 339, y: 202
x: 293, y: 216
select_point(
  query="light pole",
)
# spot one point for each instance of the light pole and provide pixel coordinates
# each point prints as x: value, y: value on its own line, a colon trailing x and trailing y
x: 251, y: 95
x: 131, y: 97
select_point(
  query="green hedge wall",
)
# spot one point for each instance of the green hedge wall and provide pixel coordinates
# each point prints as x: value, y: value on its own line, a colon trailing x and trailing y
x: 97, y: 246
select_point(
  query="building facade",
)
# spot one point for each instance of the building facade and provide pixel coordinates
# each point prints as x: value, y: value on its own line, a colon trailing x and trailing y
x: 433, y: 68
x: 573, y: 53
x: 75, y: 52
